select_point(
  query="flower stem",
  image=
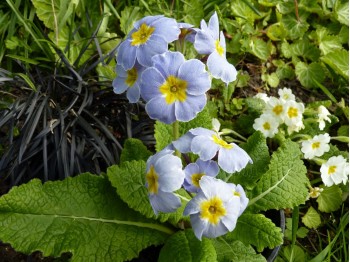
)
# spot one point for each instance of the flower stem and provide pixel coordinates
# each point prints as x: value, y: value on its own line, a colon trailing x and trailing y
x: 176, y: 135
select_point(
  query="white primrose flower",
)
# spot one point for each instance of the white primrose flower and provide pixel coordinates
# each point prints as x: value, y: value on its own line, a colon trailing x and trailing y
x: 286, y: 94
x: 316, y: 146
x: 267, y: 125
x: 293, y: 115
x: 314, y: 192
x: 275, y: 107
x: 323, y: 114
x: 335, y: 171
x: 263, y: 97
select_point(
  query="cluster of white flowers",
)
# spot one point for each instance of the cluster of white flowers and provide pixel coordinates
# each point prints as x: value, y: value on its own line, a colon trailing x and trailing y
x: 277, y: 111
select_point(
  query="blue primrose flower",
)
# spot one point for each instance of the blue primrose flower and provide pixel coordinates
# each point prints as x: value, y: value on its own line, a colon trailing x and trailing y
x: 174, y: 88
x: 150, y: 36
x: 238, y: 190
x: 129, y: 81
x: 207, y: 143
x: 195, y: 171
x: 164, y: 175
x: 209, y: 41
x: 214, y: 210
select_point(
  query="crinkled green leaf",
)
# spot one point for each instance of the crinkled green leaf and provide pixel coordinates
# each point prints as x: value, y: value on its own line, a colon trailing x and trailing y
x: 259, y: 48
x: 82, y: 215
x: 309, y: 73
x: 229, y: 250
x: 273, y: 80
x: 276, y: 32
x: 129, y: 181
x: 312, y: 218
x: 54, y: 13
x: 342, y: 12
x: 305, y: 49
x: 330, y: 199
x: 338, y: 60
x: 298, y: 254
x: 327, y: 43
x: 257, y: 230
x: 343, y: 130
x: 194, y: 11
x: 134, y: 149
x: 284, y: 184
x: 184, y: 246
x: 242, y: 10
x: 129, y: 16
x: 163, y: 132
x: 295, y: 28
x: 257, y: 149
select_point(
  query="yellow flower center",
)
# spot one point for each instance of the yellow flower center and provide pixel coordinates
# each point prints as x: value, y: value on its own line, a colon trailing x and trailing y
x: 152, y: 180
x: 196, y: 178
x: 142, y: 35
x: 278, y: 109
x: 219, y: 48
x: 266, y: 126
x: 331, y: 170
x: 292, y: 112
x: 221, y: 142
x: 174, y: 89
x: 131, y: 77
x: 315, y: 145
x: 212, y: 210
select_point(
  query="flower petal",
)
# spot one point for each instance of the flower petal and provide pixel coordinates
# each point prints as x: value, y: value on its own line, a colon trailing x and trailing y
x: 119, y: 85
x: 164, y: 202
x: 151, y: 79
x: 220, y: 68
x: 133, y: 94
x: 204, y: 43
x: 205, y: 148
x: 186, y: 111
x: 126, y: 56
x: 234, y: 159
x: 167, y: 28
x: 158, y: 109
x: 183, y: 144
x: 155, y: 45
x: 168, y: 63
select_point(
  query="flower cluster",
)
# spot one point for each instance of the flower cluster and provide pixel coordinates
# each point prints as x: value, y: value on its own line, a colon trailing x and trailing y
x: 277, y: 111
x: 174, y: 89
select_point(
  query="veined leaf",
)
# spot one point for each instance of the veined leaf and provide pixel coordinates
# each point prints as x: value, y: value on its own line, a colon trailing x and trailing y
x: 134, y: 149
x: 54, y: 13
x: 129, y: 181
x: 259, y: 48
x: 342, y: 12
x: 184, y: 246
x: 194, y: 11
x: 305, y: 49
x: 311, y: 219
x: 295, y: 28
x: 257, y: 230
x: 283, y: 185
x: 257, y: 149
x: 330, y: 199
x: 308, y: 73
x: 338, y: 60
x: 234, y: 250
x: 81, y: 215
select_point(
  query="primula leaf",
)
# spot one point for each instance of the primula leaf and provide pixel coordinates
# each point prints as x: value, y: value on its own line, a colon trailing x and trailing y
x: 342, y: 12
x: 82, y: 215
x: 54, y: 13
x: 327, y: 43
x: 163, y: 132
x: 284, y: 184
x: 305, y: 49
x: 257, y: 149
x: 330, y: 199
x: 295, y: 28
x: 338, y: 60
x: 311, y: 219
x: 184, y: 246
x: 129, y: 16
x: 134, y: 149
x: 259, y: 48
x: 257, y: 230
x: 194, y: 11
x: 129, y: 181
x: 309, y: 73
x: 229, y: 250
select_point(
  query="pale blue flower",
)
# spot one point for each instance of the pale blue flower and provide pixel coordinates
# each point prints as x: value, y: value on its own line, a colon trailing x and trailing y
x: 209, y: 41
x: 214, y: 210
x: 195, y: 171
x: 164, y: 175
x: 188, y: 32
x: 129, y: 81
x: 150, y: 36
x: 238, y: 190
x: 174, y: 88
x: 208, y: 143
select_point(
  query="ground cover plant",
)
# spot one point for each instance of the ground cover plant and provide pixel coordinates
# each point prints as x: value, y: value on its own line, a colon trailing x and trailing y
x: 178, y: 127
